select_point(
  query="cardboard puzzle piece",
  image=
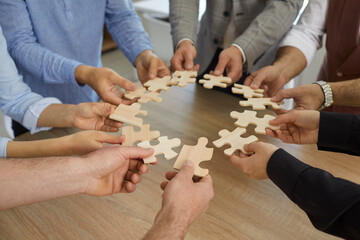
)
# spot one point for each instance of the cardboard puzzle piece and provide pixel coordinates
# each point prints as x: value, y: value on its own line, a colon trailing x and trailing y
x: 144, y: 134
x: 248, y: 92
x: 158, y: 84
x: 143, y: 95
x: 211, y: 80
x: 260, y: 103
x: 249, y: 117
x: 126, y: 114
x: 234, y: 139
x: 163, y: 147
x: 197, y: 154
x: 182, y: 78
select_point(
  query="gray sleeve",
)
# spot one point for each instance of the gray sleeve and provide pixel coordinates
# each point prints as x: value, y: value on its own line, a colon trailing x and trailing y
x: 268, y: 28
x: 184, y: 20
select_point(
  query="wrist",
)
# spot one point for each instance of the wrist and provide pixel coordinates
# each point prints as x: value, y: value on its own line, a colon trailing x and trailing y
x: 84, y: 73
x: 326, y: 95
x: 283, y: 71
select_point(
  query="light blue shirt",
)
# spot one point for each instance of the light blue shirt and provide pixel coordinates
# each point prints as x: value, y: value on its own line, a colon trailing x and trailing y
x: 16, y: 98
x: 49, y: 39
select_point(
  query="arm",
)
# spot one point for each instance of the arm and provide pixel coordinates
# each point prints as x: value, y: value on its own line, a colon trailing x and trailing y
x: 332, y: 204
x: 267, y: 28
x: 107, y: 171
x: 75, y: 144
x: 183, y: 202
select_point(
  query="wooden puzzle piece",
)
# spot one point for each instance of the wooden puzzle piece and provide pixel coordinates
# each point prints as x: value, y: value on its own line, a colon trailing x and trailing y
x: 144, y: 134
x: 182, y: 78
x: 197, y: 154
x: 249, y: 117
x: 234, y: 139
x: 163, y: 147
x: 248, y: 92
x: 159, y: 84
x: 143, y: 95
x: 260, y: 103
x: 211, y: 80
x: 126, y: 114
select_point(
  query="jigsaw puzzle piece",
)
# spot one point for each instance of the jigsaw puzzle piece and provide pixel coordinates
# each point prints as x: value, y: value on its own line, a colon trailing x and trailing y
x: 248, y: 92
x: 143, y: 95
x: 182, y: 78
x: 210, y: 81
x: 144, y: 134
x: 260, y: 103
x: 159, y: 84
x: 126, y: 114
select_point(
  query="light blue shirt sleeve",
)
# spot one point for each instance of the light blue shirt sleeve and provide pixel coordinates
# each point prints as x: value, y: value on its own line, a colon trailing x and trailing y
x: 26, y: 50
x: 126, y: 28
x: 3, y: 145
x: 16, y: 98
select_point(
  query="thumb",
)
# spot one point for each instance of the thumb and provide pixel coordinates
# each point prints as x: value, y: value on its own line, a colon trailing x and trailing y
x: 103, y: 109
x: 284, y: 94
x: 189, y: 61
x: 220, y: 67
x: 252, y: 147
x: 187, y: 170
x: 136, y: 152
x: 258, y: 79
x: 153, y: 68
x: 123, y: 82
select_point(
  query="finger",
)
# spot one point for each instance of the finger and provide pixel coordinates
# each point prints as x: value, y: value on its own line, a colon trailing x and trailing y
x: 249, y: 79
x: 136, y: 152
x: 128, y: 187
x: 170, y: 175
x: 136, y: 178
x: 289, y: 117
x: 196, y: 67
x: 189, y: 60
x: 112, y: 123
x: 187, y: 170
x: 176, y: 63
x: 102, y: 109
x: 280, y: 111
x: 123, y: 82
x: 271, y: 133
x: 137, y: 165
x: 237, y: 161
x: 163, y: 185
x: 207, y: 179
x: 220, y: 67
x: 260, y: 77
x: 153, y: 67
x: 252, y: 147
x: 111, y: 139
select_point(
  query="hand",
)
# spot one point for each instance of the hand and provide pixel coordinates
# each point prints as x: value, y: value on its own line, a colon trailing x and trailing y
x: 269, y: 78
x: 183, y: 58
x: 149, y: 66
x: 231, y: 59
x: 255, y: 165
x: 309, y: 96
x: 114, y: 169
x: 105, y: 82
x: 297, y: 126
x: 85, y: 142
x: 183, y: 197
x: 94, y: 116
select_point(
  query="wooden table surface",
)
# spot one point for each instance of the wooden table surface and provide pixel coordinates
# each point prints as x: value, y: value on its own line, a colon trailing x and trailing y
x: 242, y: 208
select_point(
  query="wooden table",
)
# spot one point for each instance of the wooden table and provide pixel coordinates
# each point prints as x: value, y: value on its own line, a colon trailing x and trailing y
x: 243, y: 208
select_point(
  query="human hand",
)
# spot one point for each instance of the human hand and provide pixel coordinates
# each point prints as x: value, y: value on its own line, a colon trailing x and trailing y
x: 183, y: 197
x: 149, y: 66
x: 105, y: 82
x: 309, y: 96
x: 183, y: 58
x: 230, y: 59
x: 297, y: 126
x: 254, y: 165
x: 270, y: 78
x: 93, y: 116
x: 85, y: 142
x: 113, y: 169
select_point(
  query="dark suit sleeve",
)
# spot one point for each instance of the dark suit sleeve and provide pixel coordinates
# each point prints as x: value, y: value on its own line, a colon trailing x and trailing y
x: 332, y: 204
x: 339, y: 132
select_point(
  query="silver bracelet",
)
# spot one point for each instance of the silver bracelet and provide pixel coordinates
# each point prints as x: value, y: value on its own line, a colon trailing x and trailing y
x: 328, y: 95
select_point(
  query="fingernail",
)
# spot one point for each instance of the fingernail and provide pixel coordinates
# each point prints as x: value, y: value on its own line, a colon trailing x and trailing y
x: 189, y: 163
x: 216, y: 72
x: 188, y: 66
x: 151, y: 75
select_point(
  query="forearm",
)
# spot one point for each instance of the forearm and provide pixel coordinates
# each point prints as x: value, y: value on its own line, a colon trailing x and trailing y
x: 346, y: 93
x: 168, y: 225
x: 311, y: 188
x: 290, y: 61
x: 24, y: 181
x: 41, y: 148
x: 57, y: 115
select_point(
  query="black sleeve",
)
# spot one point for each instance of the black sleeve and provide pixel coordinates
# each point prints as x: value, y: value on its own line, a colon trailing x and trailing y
x: 339, y: 132
x: 332, y: 204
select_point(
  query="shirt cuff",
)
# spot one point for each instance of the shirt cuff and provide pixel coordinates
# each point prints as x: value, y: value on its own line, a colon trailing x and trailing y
x: 184, y: 39
x: 3, y: 146
x: 33, y: 112
x: 242, y: 52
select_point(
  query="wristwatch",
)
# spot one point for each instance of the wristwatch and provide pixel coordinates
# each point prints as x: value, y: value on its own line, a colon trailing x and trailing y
x: 328, y: 95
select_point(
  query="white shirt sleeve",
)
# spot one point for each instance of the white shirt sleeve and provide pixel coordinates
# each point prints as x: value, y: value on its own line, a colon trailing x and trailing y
x: 33, y: 113
x: 3, y: 145
x: 307, y: 34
